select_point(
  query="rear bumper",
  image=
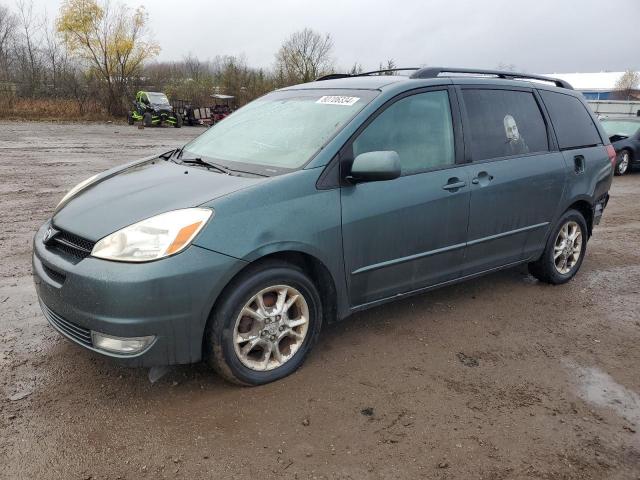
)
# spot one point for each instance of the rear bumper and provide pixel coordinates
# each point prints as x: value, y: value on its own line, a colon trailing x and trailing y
x: 170, y: 299
x: 598, y: 209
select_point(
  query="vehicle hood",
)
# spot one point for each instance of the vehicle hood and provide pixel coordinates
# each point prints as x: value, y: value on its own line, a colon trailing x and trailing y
x: 121, y: 197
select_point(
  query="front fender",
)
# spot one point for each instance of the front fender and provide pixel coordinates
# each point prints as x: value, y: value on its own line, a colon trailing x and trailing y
x: 285, y: 246
x: 285, y: 214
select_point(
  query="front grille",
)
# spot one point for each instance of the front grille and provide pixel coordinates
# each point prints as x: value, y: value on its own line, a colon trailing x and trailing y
x: 71, y: 244
x: 69, y: 329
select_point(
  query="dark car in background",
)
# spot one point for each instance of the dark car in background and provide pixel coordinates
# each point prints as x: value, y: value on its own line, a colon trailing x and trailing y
x: 624, y: 134
x: 317, y: 201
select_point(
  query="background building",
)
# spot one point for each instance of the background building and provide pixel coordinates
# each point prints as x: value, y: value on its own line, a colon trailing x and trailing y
x: 595, y: 86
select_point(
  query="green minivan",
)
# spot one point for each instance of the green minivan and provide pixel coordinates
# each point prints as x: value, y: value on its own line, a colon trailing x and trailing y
x: 316, y: 201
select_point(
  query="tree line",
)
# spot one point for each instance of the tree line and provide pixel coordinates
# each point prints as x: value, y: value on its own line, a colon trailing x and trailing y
x: 93, y: 55
x: 97, y: 54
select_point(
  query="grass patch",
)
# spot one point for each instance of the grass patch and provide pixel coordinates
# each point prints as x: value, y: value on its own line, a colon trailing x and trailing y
x: 51, y: 109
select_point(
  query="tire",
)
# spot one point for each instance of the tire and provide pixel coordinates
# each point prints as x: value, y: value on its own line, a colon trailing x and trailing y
x: 623, y: 161
x: 130, y: 118
x: 546, y: 268
x: 225, y: 325
x: 147, y: 120
x: 178, y: 123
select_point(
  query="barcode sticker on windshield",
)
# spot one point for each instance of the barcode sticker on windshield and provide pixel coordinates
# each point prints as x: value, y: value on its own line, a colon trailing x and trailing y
x: 338, y: 100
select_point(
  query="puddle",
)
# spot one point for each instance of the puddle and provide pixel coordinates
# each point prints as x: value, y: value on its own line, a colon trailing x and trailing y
x: 600, y: 389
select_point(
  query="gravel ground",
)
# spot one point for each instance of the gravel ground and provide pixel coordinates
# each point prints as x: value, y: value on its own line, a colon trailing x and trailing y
x: 497, y: 378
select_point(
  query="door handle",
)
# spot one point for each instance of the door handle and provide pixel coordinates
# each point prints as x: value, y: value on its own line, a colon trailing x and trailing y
x: 454, y: 184
x: 578, y: 163
x: 483, y: 178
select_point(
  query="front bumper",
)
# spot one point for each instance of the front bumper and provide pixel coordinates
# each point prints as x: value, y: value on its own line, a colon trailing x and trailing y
x: 169, y: 298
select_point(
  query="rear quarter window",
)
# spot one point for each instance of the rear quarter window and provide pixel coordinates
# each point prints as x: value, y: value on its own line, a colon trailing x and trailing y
x: 572, y: 122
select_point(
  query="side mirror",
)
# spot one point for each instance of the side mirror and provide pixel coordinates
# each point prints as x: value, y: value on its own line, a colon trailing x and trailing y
x: 375, y: 167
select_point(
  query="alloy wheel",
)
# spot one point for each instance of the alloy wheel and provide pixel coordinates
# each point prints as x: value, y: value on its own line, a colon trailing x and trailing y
x: 623, y: 164
x: 271, y: 327
x: 568, y: 247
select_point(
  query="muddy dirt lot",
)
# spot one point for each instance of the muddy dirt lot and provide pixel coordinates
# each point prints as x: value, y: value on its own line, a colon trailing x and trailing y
x: 497, y: 378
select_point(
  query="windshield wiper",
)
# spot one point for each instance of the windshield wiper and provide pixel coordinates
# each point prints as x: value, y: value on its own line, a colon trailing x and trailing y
x: 178, y: 151
x: 168, y: 155
x: 199, y: 161
x: 177, y: 155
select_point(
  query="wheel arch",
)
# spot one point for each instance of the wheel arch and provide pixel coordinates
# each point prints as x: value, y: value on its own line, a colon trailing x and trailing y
x: 310, y: 264
x: 317, y: 271
x: 586, y: 209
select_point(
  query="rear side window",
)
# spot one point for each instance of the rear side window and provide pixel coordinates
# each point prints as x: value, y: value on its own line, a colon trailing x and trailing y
x: 571, y: 121
x: 418, y: 128
x: 503, y: 123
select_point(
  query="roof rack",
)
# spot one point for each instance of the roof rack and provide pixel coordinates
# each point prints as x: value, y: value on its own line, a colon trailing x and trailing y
x: 333, y: 76
x: 388, y: 70
x: 434, y: 72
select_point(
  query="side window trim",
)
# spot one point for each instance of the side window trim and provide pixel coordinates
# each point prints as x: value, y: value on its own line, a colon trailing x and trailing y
x: 551, y: 133
x: 466, y: 122
x: 346, y: 152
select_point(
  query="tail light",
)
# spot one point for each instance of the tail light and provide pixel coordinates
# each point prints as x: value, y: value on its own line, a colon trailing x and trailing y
x: 612, y: 155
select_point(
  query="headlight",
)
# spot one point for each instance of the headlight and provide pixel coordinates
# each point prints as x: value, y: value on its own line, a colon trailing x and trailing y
x: 153, y: 238
x: 75, y: 190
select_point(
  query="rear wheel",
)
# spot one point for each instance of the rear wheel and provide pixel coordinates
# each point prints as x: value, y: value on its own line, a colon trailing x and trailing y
x: 178, y: 123
x: 147, y: 119
x: 622, y: 162
x: 265, y: 324
x: 564, y: 251
x: 129, y: 118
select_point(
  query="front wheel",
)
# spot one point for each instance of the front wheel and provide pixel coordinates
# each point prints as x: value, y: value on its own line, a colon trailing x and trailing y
x: 147, y: 119
x: 564, y: 251
x: 178, y: 123
x: 622, y: 162
x: 130, y: 118
x: 265, y: 324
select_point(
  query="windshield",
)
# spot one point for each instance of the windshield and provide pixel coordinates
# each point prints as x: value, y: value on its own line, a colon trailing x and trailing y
x: 282, y: 130
x: 158, y: 98
x: 620, y: 127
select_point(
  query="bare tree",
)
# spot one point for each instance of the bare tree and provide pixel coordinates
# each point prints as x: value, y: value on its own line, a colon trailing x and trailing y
x: 506, y: 67
x: 356, y: 69
x: 304, y: 56
x: 28, y: 52
x: 60, y: 73
x: 627, y: 84
x: 389, y: 66
x: 8, y: 24
x: 194, y: 68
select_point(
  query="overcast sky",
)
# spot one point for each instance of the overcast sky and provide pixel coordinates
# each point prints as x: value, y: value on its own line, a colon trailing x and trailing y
x: 541, y: 36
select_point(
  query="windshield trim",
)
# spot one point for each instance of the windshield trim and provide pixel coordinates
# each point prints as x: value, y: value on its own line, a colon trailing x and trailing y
x: 271, y: 170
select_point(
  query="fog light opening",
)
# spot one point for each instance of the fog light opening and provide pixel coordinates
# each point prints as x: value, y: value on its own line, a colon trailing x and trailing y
x: 121, y: 345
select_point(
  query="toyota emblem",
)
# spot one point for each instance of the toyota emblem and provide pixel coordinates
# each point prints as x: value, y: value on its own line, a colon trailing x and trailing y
x: 47, y: 235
